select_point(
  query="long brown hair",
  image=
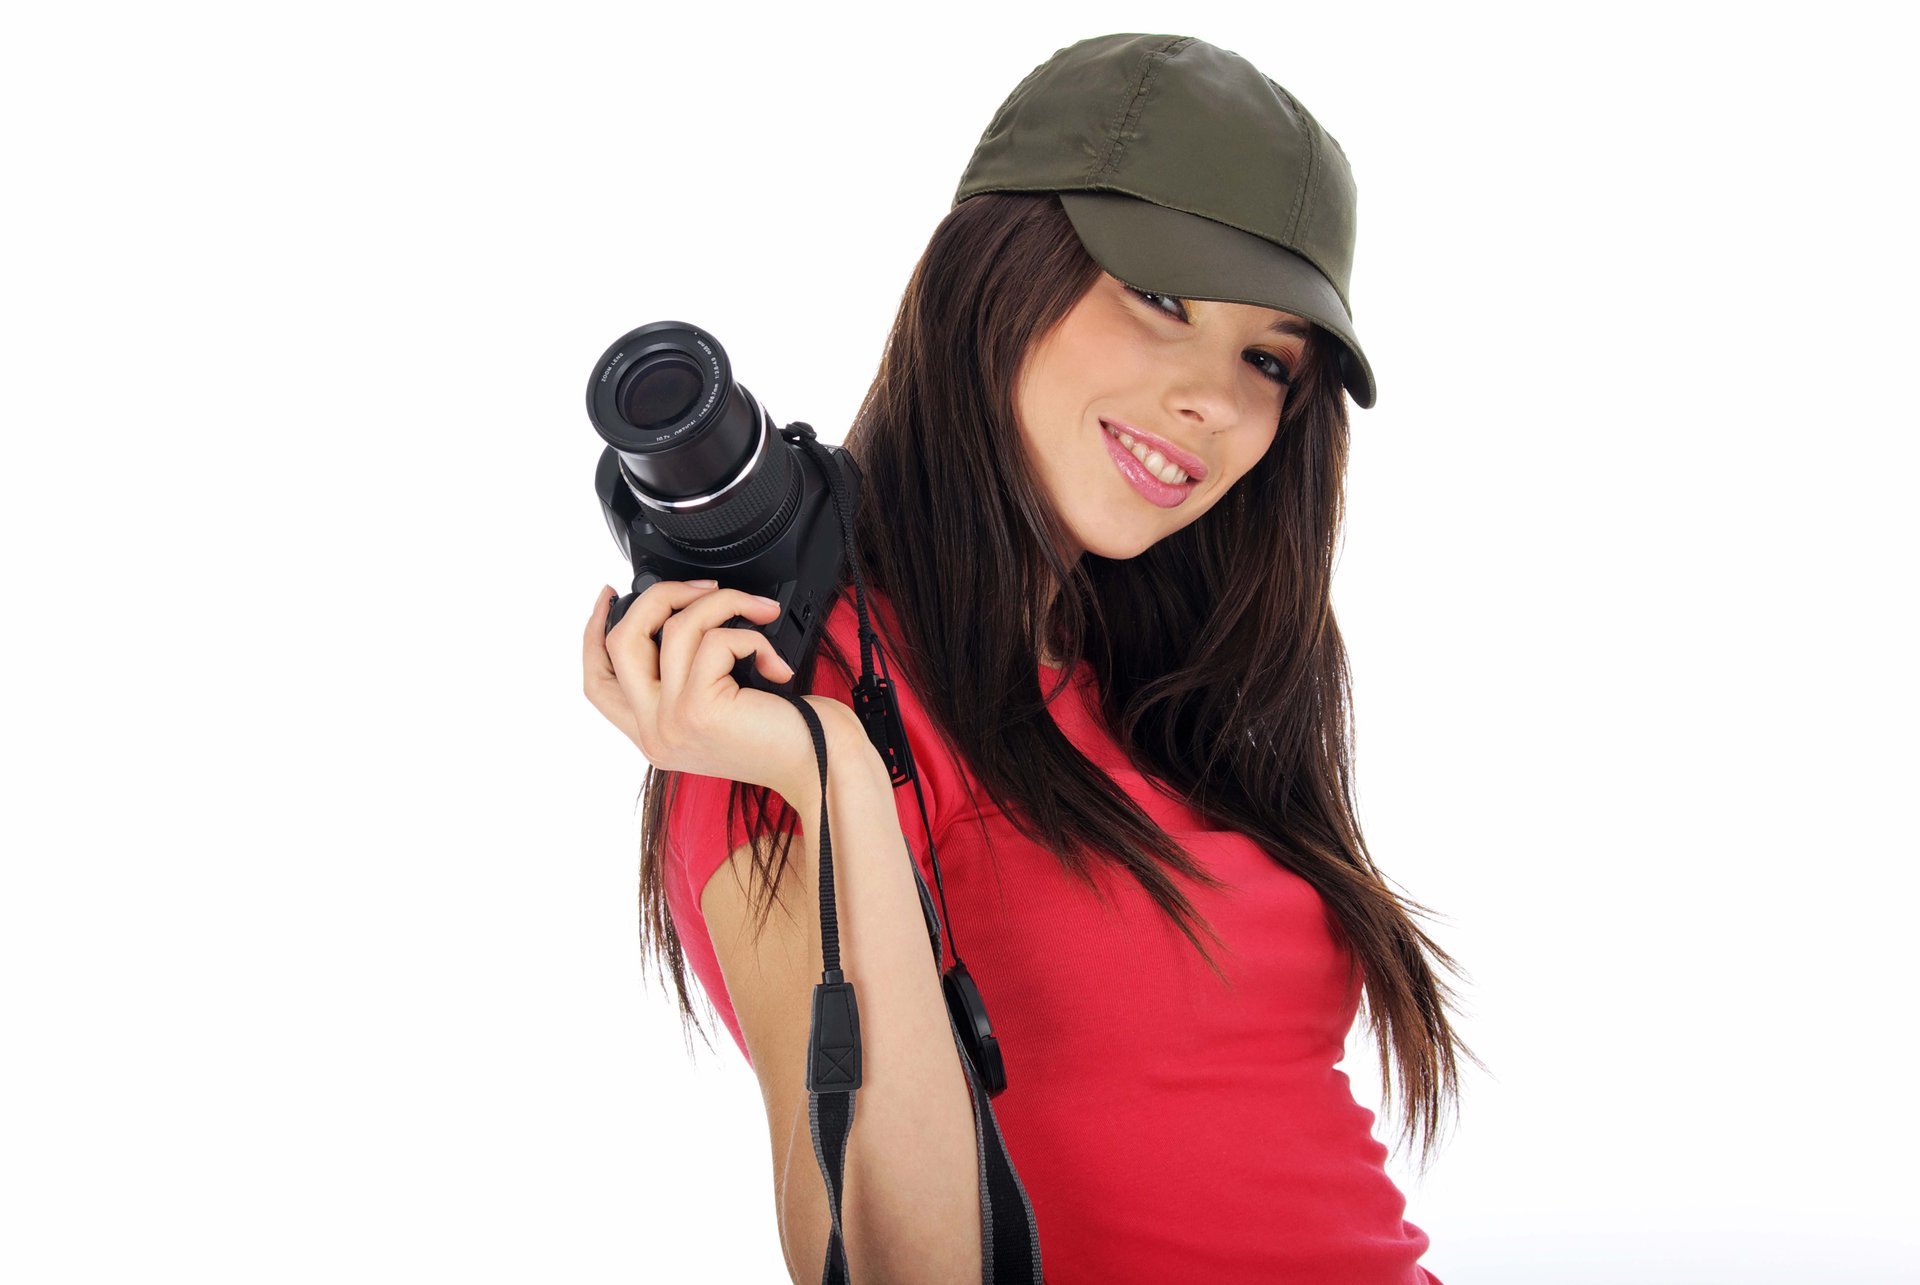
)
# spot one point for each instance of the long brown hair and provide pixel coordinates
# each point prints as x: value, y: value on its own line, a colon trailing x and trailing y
x: 1217, y: 658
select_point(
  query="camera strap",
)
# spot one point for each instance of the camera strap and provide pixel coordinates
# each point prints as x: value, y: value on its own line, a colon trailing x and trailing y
x: 1009, y: 1236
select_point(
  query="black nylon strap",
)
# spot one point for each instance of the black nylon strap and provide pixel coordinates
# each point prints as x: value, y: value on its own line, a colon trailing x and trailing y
x: 1009, y: 1236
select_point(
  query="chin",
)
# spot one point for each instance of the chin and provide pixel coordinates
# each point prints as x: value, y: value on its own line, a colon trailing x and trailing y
x: 1118, y: 550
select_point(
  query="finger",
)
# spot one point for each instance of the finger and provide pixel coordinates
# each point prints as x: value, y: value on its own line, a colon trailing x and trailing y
x: 601, y: 685
x: 629, y: 644
x: 680, y: 637
x: 710, y: 686
x: 594, y: 643
x: 721, y: 649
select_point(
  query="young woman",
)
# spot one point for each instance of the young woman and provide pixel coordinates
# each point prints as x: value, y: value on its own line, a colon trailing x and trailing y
x: 1103, y: 465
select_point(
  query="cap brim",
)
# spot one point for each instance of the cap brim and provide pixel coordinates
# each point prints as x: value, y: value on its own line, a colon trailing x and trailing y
x: 1151, y: 247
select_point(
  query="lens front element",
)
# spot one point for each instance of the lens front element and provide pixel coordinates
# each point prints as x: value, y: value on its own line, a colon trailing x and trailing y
x: 658, y: 390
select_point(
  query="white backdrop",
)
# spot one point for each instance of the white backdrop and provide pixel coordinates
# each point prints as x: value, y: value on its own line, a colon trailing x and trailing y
x: 319, y: 945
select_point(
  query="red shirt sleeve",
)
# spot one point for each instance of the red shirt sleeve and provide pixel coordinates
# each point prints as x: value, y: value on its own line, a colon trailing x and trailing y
x: 700, y: 836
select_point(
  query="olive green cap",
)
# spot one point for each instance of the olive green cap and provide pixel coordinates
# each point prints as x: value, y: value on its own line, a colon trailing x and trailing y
x: 1186, y: 172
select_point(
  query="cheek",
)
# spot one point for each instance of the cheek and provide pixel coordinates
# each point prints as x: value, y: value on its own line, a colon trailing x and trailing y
x: 1246, y: 460
x: 1100, y: 353
x: 1048, y: 401
x: 1262, y: 398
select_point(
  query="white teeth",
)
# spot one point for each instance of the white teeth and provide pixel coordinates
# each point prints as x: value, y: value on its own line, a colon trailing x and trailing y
x: 1156, y: 463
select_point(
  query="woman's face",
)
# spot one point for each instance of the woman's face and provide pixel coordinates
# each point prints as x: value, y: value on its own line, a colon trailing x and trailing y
x: 1207, y: 378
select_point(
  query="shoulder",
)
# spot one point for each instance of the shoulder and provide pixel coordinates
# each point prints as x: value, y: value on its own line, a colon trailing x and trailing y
x: 701, y: 836
x: 842, y: 631
x: 837, y: 664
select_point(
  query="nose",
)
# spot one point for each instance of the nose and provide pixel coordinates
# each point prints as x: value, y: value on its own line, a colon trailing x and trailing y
x: 1205, y: 391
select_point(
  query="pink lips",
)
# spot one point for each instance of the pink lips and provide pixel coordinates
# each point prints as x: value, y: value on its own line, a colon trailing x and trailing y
x: 1189, y: 464
x: 1150, y: 488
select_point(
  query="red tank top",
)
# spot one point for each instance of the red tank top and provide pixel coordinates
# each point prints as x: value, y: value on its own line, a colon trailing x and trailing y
x: 1166, y: 1126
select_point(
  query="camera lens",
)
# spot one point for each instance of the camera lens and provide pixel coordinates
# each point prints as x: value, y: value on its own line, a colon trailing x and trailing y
x: 690, y: 445
x: 658, y: 390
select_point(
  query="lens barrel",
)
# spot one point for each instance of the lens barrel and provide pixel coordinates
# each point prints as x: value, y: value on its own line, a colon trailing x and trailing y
x: 695, y: 447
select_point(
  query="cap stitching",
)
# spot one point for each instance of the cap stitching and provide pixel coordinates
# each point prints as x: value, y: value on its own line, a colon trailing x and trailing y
x: 1296, y: 213
x: 1154, y: 60
x: 1311, y: 198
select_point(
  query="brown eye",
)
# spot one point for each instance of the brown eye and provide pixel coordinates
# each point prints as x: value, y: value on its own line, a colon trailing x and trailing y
x: 1271, y: 366
x: 1178, y: 311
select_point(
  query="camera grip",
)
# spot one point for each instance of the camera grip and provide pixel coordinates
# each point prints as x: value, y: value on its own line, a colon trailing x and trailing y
x: 745, y: 673
x: 641, y: 583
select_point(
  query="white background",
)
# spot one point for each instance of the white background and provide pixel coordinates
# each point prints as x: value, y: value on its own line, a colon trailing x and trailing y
x: 319, y: 949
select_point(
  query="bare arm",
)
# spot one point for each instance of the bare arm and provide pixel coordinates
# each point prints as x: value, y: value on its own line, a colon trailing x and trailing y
x: 912, y: 1210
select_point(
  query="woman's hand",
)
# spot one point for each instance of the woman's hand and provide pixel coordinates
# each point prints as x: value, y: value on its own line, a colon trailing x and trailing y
x: 678, y: 701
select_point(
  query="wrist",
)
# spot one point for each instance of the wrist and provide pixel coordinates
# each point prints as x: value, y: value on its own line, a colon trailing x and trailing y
x: 849, y: 754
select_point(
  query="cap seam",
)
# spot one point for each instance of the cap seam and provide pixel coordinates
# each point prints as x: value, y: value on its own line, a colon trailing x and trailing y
x: 1293, y: 211
x: 1310, y: 201
x: 1134, y: 103
x: 1100, y: 164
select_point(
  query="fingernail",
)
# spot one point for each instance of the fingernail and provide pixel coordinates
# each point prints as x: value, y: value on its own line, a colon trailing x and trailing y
x: 706, y: 584
x: 769, y: 601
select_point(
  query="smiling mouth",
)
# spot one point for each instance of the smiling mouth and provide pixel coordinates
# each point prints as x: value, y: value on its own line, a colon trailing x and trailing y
x: 1166, y: 471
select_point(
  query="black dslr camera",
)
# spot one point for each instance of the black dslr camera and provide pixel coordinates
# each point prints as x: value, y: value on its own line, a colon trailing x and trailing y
x: 697, y: 483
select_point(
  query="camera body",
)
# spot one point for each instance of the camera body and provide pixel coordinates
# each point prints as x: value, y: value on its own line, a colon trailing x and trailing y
x: 697, y: 483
